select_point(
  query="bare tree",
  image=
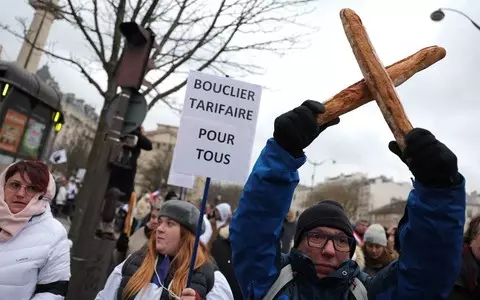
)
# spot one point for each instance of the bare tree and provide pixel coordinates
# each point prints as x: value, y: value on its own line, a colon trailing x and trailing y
x: 192, y: 34
x: 230, y: 193
x: 347, y: 194
x: 158, y: 168
x: 223, y: 36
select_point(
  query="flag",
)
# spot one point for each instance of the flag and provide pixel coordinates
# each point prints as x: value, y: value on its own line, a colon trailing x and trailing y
x: 58, y: 157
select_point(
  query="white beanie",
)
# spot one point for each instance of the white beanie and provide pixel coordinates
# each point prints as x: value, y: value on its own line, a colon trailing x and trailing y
x: 375, y: 234
x: 225, y: 210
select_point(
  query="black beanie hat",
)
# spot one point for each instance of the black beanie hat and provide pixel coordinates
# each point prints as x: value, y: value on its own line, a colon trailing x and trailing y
x: 326, y: 213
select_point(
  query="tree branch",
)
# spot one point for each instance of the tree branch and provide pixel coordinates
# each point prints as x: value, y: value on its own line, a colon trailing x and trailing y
x: 116, y: 40
x: 82, y: 69
x: 193, y: 50
x: 97, y: 29
x: 148, y: 15
x: 136, y: 10
x: 172, y: 28
x: 79, y: 24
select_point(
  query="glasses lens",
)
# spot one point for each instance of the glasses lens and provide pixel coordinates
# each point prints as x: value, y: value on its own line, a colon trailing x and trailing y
x: 319, y: 239
x: 14, y: 186
x: 341, y: 244
x: 32, y: 190
x: 316, y: 239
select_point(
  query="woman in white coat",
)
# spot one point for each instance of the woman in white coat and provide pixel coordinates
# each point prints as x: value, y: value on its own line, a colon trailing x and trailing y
x: 34, y: 248
x: 160, y: 269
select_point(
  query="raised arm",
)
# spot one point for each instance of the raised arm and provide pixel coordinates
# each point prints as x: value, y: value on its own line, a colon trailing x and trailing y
x: 430, y: 233
x: 257, y: 222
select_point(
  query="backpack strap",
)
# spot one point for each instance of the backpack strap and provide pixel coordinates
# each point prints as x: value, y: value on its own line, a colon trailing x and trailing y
x: 284, y: 278
x: 209, y: 272
x: 357, y: 288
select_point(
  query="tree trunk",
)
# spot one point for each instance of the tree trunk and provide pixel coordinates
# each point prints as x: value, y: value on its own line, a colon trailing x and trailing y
x: 89, y: 189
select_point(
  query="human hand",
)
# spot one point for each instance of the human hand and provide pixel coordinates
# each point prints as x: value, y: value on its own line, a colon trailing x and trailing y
x: 431, y: 162
x: 296, y: 129
x: 188, y: 294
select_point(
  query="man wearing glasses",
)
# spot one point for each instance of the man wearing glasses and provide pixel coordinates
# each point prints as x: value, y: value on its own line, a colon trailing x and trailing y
x: 319, y: 266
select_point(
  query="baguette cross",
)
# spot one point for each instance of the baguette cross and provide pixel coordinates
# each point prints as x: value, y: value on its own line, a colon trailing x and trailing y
x: 379, y: 83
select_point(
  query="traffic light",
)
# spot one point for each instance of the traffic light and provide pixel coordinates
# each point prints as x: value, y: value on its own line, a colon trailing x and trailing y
x: 133, y: 64
x: 58, y: 121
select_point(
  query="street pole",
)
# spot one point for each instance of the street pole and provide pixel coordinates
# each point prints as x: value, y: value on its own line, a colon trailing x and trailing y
x: 315, y: 165
x: 91, y: 255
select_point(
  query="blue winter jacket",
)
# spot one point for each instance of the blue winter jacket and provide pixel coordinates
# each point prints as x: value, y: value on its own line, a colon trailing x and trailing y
x: 430, y: 235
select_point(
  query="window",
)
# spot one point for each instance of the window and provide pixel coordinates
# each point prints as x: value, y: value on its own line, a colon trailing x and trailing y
x: 35, y: 132
x: 12, y: 130
x: 14, y: 116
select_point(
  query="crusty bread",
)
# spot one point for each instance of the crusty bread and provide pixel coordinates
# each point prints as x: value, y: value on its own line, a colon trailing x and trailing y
x: 358, y: 93
x: 376, y: 76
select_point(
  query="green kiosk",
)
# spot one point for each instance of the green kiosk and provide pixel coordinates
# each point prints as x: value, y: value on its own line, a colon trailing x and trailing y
x: 30, y: 115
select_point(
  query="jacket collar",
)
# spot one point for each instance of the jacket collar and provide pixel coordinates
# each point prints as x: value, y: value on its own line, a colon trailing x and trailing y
x: 40, y: 217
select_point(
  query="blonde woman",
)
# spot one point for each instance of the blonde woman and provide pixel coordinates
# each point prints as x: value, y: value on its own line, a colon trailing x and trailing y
x: 377, y: 254
x: 160, y: 269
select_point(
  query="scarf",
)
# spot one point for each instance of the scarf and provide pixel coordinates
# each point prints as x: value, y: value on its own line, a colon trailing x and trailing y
x: 11, y: 224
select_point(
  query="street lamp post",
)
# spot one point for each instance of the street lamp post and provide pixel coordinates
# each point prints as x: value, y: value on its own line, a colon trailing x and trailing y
x: 439, y: 14
x: 315, y: 165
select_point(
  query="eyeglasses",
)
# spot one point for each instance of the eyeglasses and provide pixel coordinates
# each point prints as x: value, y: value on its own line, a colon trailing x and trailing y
x: 16, y: 186
x: 317, y: 239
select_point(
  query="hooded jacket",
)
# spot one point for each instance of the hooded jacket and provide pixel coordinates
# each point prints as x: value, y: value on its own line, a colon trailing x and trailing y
x: 433, y: 217
x: 35, y: 262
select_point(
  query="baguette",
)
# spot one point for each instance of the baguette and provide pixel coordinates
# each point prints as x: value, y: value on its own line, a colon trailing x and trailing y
x: 376, y: 77
x: 358, y: 93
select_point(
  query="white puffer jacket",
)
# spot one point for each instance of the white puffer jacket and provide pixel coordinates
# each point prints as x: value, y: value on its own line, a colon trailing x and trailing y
x: 39, y: 254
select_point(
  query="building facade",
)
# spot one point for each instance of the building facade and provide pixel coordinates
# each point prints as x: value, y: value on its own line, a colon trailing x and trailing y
x: 300, y: 196
x: 379, y: 192
x: 388, y: 215
x: 374, y: 193
x: 473, y: 206
x: 81, y: 120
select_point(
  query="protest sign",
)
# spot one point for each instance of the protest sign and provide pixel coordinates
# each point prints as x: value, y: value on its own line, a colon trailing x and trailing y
x: 217, y: 127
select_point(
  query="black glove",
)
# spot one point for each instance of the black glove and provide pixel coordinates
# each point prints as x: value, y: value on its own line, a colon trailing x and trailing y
x: 122, y: 243
x: 296, y: 129
x: 429, y: 160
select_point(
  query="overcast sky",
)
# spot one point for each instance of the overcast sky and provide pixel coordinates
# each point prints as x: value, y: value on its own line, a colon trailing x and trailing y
x: 444, y: 98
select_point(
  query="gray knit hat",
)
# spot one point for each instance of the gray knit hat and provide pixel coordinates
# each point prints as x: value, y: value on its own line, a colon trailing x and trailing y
x: 375, y: 234
x: 183, y: 212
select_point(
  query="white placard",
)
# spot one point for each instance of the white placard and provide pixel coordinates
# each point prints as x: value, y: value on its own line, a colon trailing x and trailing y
x: 217, y: 127
x: 181, y: 180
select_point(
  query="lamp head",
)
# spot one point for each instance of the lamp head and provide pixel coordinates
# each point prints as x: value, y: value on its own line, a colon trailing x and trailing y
x: 437, y: 15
